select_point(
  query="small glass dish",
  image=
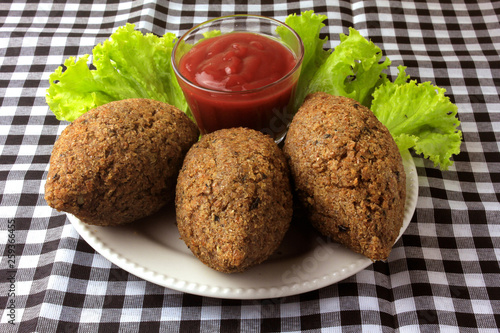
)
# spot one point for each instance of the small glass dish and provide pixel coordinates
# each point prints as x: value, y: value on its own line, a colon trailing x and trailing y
x: 267, y: 108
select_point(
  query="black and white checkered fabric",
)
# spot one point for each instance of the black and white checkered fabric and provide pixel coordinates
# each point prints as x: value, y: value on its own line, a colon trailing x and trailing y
x: 443, y: 275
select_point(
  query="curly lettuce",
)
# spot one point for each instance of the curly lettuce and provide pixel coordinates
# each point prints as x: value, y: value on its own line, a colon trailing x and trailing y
x: 419, y: 116
x: 127, y: 65
x: 308, y: 26
x: 354, y: 69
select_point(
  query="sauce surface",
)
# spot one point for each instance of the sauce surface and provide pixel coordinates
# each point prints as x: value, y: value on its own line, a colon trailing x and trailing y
x: 236, y: 61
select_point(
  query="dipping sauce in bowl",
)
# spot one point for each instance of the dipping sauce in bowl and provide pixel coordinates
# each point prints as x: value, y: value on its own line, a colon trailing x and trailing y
x: 244, y: 76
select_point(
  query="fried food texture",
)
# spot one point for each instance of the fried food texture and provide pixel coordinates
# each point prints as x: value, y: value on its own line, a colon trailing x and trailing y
x: 119, y: 162
x: 233, y: 199
x: 348, y: 173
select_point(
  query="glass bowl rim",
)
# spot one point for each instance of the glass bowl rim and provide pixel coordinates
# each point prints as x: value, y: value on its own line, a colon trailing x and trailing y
x: 240, y: 92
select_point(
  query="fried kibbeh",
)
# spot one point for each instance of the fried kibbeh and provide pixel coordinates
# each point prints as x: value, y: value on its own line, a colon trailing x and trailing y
x: 119, y: 162
x: 233, y: 199
x: 348, y: 173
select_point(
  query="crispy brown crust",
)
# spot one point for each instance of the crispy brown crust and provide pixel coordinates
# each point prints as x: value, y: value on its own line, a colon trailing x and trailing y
x: 119, y: 162
x: 348, y: 173
x: 233, y: 199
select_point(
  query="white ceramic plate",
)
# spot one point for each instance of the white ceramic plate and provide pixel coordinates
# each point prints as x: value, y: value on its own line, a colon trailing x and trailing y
x: 151, y: 249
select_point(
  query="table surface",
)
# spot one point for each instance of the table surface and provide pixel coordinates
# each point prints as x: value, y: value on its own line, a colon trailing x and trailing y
x: 443, y: 273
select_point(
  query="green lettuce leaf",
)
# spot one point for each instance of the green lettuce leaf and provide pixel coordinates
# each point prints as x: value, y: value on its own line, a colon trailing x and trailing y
x: 419, y: 116
x: 354, y: 69
x: 127, y: 65
x: 307, y: 26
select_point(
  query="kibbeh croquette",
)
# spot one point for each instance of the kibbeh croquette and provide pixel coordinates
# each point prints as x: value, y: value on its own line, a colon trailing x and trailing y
x: 348, y: 173
x: 233, y: 199
x: 119, y: 162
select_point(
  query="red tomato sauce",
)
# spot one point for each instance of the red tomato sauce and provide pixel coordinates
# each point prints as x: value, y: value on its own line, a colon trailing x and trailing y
x: 230, y: 69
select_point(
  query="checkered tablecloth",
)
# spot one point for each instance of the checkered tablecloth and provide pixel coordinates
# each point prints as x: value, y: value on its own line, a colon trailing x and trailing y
x: 443, y: 274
